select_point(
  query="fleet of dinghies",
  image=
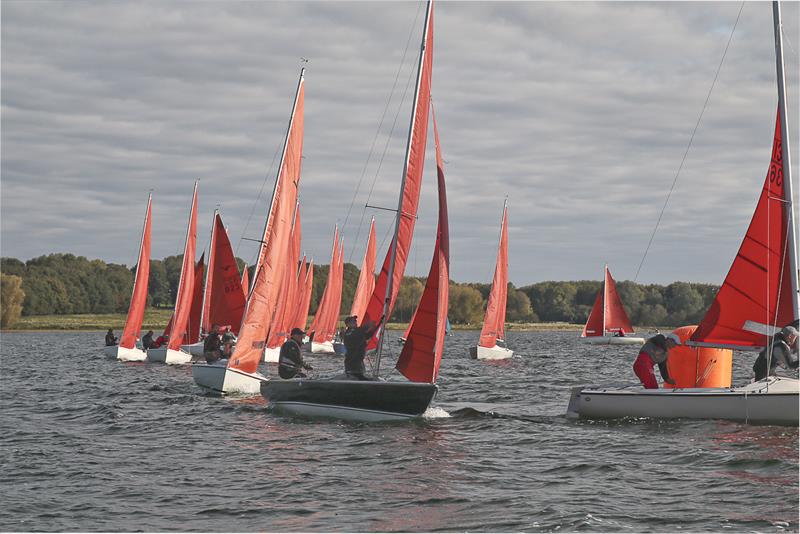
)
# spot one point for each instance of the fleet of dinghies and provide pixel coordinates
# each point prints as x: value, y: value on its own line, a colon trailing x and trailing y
x: 758, y: 297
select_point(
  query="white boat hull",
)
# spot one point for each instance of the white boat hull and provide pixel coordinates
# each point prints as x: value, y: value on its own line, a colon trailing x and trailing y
x: 770, y: 401
x: 218, y: 378
x: 325, y: 347
x: 490, y: 353
x: 168, y: 356
x: 612, y: 340
x: 271, y: 355
x: 125, y: 355
x: 195, y: 349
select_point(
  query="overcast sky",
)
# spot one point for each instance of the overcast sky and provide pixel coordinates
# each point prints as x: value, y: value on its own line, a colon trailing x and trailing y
x: 579, y: 112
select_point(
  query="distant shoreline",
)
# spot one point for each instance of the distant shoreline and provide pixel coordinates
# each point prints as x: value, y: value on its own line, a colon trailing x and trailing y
x: 156, y: 319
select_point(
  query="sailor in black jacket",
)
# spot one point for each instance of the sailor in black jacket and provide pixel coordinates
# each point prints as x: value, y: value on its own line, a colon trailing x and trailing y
x: 290, y: 361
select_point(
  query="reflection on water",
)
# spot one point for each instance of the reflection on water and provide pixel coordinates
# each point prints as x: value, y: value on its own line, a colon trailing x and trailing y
x: 94, y: 444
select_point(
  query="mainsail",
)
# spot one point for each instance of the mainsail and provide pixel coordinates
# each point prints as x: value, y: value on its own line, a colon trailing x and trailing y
x: 324, y: 324
x: 366, y: 278
x: 495, y: 318
x: 183, y: 301
x: 271, y: 261
x: 224, y: 297
x: 384, y: 295
x: 133, y: 323
x: 422, y: 352
x: 758, y: 297
x: 197, y: 301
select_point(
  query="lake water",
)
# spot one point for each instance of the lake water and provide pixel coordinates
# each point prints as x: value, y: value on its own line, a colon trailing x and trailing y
x: 91, y: 444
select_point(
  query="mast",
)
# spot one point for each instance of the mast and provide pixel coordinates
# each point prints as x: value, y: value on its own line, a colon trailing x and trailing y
x: 785, y: 155
x: 390, y: 280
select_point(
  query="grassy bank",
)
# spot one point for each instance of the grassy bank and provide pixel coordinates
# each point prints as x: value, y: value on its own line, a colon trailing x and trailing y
x: 156, y: 319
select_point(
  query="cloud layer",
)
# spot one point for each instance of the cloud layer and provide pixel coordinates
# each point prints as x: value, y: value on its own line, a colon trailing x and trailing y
x: 579, y: 112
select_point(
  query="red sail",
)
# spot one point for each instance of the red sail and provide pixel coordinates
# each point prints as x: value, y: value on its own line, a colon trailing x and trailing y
x: 616, y: 319
x: 279, y: 331
x: 324, y: 323
x: 366, y: 278
x: 271, y: 257
x: 305, y: 297
x: 133, y: 324
x: 409, y: 200
x: 422, y: 352
x: 756, y: 297
x: 197, y: 301
x: 225, y: 299
x: 594, y: 324
x: 495, y: 319
x: 183, y: 301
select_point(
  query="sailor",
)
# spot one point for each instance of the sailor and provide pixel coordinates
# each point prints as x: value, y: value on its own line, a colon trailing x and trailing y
x: 111, y: 339
x: 228, y: 342
x: 655, y: 351
x: 290, y: 361
x: 147, y: 340
x: 784, y: 353
x: 355, y: 341
x: 211, y: 346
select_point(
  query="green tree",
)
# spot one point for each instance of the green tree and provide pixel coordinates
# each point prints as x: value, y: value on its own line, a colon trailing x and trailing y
x: 407, y: 299
x: 11, y: 298
x: 466, y: 304
x: 518, y: 307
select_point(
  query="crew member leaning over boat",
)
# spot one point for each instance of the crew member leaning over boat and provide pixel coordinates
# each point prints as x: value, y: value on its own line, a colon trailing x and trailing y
x: 655, y: 351
x: 783, y: 353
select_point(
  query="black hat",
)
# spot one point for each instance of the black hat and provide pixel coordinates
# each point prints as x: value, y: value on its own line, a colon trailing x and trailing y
x: 297, y: 332
x: 351, y: 318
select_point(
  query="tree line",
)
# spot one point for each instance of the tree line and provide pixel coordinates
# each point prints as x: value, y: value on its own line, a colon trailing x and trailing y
x: 67, y: 284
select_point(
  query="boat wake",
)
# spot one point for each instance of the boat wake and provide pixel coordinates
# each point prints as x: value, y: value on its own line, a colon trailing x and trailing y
x: 434, y: 412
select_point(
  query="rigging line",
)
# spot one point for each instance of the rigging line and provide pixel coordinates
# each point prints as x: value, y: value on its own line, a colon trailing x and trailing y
x: 380, y: 124
x: 689, y: 146
x: 788, y: 41
x: 411, y: 76
x: 258, y: 198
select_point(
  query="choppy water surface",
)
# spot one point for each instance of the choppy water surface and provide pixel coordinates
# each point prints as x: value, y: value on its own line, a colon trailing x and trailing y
x: 91, y: 444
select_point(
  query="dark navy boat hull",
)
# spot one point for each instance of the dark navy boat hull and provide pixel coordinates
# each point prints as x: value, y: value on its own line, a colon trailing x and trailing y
x: 368, y: 400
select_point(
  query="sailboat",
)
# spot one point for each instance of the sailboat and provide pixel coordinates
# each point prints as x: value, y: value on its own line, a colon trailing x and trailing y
x: 323, y: 327
x: 608, y: 324
x: 127, y: 349
x: 239, y: 373
x: 491, y: 345
x: 179, y: 323
x: 379, y: 399
x: 223, y: 299
x: 758, y: 297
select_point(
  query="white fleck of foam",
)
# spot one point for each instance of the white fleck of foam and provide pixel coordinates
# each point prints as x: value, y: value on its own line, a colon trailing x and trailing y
x: 435, y: 413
